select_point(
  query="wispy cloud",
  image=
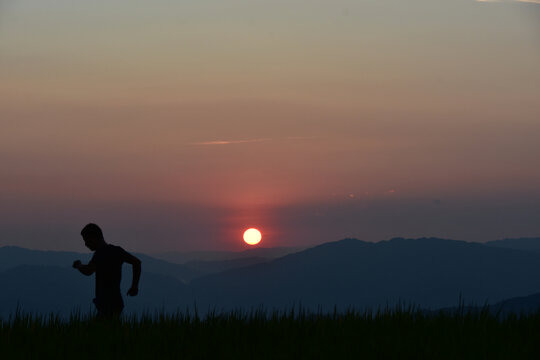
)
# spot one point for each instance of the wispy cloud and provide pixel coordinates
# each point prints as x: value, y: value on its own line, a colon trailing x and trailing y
x: 247, y: 141
x: 229, y: 142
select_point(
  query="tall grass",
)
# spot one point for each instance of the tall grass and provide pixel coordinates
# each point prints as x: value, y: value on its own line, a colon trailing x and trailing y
x: 400, y: 333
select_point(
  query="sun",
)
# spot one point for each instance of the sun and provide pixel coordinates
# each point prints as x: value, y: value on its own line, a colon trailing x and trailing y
x: 252, y: 236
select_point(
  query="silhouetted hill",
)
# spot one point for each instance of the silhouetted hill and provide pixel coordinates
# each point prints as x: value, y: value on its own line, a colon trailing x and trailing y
x: 192, y: 256
x: 12, y: 256
x: 431, y: 273
x: 530, y: 244
x: 36, y: 288
x: 209, y: 267
x: 517, y: 305
x: 522, y: 304
x: 427, y: 272
x: 181, y: 272
x: 44, y: 288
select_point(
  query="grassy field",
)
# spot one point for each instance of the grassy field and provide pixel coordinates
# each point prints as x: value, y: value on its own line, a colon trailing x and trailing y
x: 390, y: 334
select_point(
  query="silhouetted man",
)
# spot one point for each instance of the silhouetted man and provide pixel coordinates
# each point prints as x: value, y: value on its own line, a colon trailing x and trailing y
x: 107, y: 264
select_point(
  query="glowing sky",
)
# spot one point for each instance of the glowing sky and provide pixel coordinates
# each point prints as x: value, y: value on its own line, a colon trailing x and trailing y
x: 177, y: 124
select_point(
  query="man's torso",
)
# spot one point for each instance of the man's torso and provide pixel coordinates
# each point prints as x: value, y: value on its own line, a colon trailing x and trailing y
x: 108, y: 261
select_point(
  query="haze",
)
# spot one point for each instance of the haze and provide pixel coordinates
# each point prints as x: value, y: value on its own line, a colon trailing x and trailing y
x: 177, y: 125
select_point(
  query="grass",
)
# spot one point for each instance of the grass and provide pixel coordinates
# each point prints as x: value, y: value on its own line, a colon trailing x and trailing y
x: 387, y: 334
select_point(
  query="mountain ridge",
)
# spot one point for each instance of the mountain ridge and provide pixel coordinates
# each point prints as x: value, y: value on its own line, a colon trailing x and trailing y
x: 428, y: 272
x: 11, y: 256
x: 415, y: 270
x: 523, y: 243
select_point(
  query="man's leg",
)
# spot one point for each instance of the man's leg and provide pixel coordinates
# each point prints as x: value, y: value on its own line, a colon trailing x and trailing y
x: 109, y: 310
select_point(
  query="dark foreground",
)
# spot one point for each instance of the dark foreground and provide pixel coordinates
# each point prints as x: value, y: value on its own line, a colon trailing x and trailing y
x: 396, y: 334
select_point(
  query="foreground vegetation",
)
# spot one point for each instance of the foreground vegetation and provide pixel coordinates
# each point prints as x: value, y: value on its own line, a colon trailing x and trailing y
x: 392, y: 334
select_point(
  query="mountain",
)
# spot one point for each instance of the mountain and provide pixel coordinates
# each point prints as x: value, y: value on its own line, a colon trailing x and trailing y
x: 195, y: 256
x: 209, y: 267
x: 178, y: 271
x: 428, y: 272
x: 530, y: 244
x: 517, y: 305
x: 37, y: 288
x: 12, y: 256
x: 45, y: 289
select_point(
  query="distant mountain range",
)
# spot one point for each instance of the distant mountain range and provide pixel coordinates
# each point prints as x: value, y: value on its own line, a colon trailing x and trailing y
x: 12, y: 256
x: 428, y: 272
x: 530, y: 244
x: 204, y: 256
x: 518, y: 305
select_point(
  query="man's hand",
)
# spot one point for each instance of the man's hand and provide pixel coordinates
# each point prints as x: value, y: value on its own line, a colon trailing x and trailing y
x: 133, y: 291
x: 85, y: 269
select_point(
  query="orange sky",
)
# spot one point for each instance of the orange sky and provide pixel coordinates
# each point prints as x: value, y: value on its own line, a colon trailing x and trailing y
x: 244, y: 107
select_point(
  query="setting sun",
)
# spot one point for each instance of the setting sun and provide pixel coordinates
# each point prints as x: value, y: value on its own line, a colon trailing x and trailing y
x: 252, y: 236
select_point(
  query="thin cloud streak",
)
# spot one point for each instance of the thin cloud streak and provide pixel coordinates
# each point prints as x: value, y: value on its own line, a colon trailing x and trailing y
x: 247, y: 141
x: 229, y: 142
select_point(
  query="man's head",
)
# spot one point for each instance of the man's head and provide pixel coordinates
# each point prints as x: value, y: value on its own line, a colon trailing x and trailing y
x: 92, y: 236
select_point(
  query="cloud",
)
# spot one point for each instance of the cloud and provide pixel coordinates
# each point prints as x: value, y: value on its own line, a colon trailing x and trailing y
x: 229, y: 142
x: 247, y: 141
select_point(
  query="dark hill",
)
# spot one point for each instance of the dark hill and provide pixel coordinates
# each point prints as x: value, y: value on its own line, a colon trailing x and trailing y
x: 207, y: 256
x: 44, y: 289
x: 12, y: 256
x: 530, y: 244
x: 428, y: 272
x: 518, y: 305
x: 209, y: 267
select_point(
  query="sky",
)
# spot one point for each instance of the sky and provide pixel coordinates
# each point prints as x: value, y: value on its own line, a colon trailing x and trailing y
x: 175, y: 125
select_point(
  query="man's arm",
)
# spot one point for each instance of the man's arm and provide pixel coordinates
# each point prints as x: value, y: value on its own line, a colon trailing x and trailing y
x: 85, y: 269
x: 136, y: 266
